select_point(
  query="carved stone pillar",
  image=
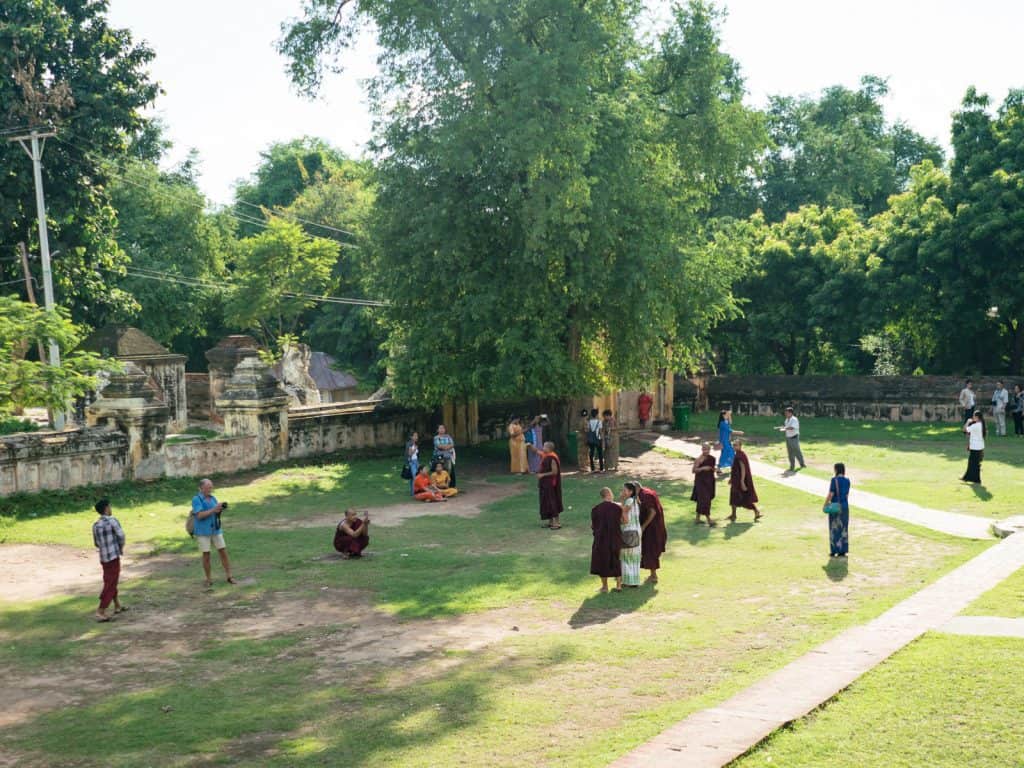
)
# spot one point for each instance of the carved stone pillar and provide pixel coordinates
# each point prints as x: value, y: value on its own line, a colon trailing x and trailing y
x: 253, y: 403
x: 223, y: 359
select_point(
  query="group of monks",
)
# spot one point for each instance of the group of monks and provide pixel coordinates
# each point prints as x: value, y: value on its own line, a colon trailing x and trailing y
x: 609, y: 522
x: 742, y: 493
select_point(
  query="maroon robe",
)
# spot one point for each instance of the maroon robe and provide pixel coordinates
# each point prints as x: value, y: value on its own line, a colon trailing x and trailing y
x: 655, y: 535
x: 704, y: 486
x: 353, y: 545
x: 550, y: 487
x: 737, y: 496
x: 606, y: 523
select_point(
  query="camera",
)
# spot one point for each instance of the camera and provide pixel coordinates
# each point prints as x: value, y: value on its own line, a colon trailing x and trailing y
x: 224, y: 505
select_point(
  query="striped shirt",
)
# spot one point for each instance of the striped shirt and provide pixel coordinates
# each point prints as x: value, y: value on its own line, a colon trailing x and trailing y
x: 108, y: 537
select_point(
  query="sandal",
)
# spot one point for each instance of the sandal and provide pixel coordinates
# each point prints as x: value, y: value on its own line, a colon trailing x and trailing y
x: 555, y: 527
x: 122, y: 609
x: 231, y: 580
x: 104, y: 619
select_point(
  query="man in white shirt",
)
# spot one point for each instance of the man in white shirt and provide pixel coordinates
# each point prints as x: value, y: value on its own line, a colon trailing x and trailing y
x: 792, y: 429
x: 999, y: 400
x: 967, y: 400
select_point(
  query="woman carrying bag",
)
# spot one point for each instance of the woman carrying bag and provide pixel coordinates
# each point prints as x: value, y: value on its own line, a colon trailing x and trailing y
x: 837, y: 507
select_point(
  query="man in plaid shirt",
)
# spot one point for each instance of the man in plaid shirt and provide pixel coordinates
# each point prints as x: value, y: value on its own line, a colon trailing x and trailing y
x: 108, y: 537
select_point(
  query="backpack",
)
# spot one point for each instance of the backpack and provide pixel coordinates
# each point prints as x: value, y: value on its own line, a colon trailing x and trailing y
x: 593, y: 425
x: 190, y: 524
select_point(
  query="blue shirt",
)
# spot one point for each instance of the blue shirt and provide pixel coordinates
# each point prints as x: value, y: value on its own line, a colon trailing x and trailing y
x: 206, y: 526
x: 840, y: 487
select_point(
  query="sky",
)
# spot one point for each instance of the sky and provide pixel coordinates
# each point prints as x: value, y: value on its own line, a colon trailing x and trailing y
x: 226, y: 93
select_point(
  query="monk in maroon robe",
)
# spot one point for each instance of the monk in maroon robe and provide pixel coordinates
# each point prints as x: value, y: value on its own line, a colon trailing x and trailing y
x: 549, y: 483
x: 352, y: 535
x: 653, y: 533
x: 704, y: 483
x: 606, y: 523
x: 741, y: 484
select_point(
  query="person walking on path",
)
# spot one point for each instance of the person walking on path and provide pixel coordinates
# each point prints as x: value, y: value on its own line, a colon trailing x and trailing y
x: 610, y: 438
x: 741, y: 485
x: 1017, y: 409
x: 967, y: 399
x: 207, y: 511
x: 643, y: 407
x: 549, y: 486
x: 595, y: 440
x: 605, y: 522
x: 1000, y: 400
x: 704, y: 483
x: 108, y: 536
x: 653, y: 533
x: 412, y: 458
x: 517, y: 448
x: 725, y: 433
x: 791, y: 427
x: 976, y: 432
x: 630, y: 553
x: 444, y: 450
x: 352, y: 535
x: 839, y: 522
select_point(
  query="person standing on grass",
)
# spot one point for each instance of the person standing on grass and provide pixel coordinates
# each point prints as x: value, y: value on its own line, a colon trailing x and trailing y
x: 352, y: 535
x: 631, y: 551
x: 741, y: 484
x: 605, y: 520
x: 610, y: 440
x: 534, y: 445
x: 967, y: 399
x: 643, y: 407
x: 549, y: 486
x: 517, y: 448
x: 839, y: 524
x: 412, y: 458
x: 791, y: 426
x: 1017, y: 409
x: 444, y: 451
x: 1000, y: 399
x: 108, y: 536
x: 704, y: 483
x: 207, y: 511
x: 653, y: 533
x: 725, y: 433
x: 595, y: 440
x: 582, y: 454
x: 976, y: 432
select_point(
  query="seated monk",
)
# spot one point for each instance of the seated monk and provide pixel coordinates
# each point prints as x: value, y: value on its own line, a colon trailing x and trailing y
x: 423, y: 489
x: 352, y: 535
x: 442, y: 481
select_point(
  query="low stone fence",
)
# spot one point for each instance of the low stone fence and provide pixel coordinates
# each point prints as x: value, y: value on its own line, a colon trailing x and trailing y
x: 206, y: 457
x: 41, y: 461
x: 327, y: 429
x: 885, y: 398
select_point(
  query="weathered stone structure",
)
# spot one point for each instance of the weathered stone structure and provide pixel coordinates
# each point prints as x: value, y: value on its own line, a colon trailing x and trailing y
x: 165, y: 370
x: 198, y: 387
x: 42, y: 461
x: 887, y: 398
x: 222, y: 360
x: 313, y: 431
x: 253, y: 403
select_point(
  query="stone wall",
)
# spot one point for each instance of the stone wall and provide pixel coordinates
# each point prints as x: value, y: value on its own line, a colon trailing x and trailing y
x: 40, y: 461
x: 887, y: 398
x: 207, y: 457
x: 197, y: 385
x: 316, y: 431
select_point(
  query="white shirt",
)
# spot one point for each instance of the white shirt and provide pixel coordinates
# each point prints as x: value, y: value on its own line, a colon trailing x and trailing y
x: 967, y: 398
x: 977, y: 440
x: 1000, y: 398
x: 792, y: 426
x: 595, y: 426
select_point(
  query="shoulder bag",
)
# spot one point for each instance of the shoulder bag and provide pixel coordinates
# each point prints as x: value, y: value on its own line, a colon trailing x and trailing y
x: 833, y: 507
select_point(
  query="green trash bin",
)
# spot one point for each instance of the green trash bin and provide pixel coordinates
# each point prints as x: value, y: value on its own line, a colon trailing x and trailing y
x: 574, y: 445
x: 681, y: 416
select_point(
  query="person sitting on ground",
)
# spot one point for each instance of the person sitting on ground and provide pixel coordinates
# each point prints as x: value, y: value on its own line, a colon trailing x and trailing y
x: 442, y: 481
x: 352, y: 535
x: 423, y: 489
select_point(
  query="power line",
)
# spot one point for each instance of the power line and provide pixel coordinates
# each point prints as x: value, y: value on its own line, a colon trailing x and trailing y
x: 289, y: 214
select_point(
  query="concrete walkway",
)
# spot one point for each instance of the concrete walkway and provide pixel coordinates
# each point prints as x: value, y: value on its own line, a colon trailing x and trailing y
x: 714, y: 737
x: 952, y: 523
x: 984, y: 626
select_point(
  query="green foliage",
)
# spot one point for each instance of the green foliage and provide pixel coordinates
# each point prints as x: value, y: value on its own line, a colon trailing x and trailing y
x: 11, y: 425
x: 30, y: 383
x: 543, y: 175
x: 90, y: 80
x: 276, y: 274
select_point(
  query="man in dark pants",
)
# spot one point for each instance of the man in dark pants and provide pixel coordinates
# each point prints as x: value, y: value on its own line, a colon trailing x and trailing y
x: 108, y: 536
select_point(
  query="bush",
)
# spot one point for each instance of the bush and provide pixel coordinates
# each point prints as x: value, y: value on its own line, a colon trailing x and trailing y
x: 11, y: 425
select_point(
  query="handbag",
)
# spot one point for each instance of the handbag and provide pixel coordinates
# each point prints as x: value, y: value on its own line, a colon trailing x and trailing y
x: 407, y: 472
x: 833, y: 507
x: 630, y: 539
x: 190, y: 524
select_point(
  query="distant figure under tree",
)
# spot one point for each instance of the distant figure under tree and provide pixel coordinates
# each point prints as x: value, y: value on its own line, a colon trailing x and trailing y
x: 967, y: 399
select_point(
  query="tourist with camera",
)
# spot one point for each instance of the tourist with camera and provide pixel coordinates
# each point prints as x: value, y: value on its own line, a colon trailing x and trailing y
x: 207, y: 528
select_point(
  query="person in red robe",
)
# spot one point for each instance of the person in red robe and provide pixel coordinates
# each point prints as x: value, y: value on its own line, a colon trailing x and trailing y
x: 741, y: 484
x: 643, y: 407
x: 704, y: 483
x: 549, y: 483
x: 352, y: 535
x: 605, y: 522
x: 653, y: 533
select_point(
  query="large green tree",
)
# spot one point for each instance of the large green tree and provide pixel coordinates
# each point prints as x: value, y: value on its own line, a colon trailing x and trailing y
x: 542, y: 178
x: 64, y: 65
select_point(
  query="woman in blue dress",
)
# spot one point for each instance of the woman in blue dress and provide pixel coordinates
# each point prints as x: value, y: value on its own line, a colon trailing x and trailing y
x: 839, y: 524
x: 725, y: 433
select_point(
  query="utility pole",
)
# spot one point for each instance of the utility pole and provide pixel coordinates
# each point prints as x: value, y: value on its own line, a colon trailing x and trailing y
x: 34, y: 149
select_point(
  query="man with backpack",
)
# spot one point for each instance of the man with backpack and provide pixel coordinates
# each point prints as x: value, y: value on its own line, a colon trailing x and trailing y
x: 206, y: 512
x: 594, y: 439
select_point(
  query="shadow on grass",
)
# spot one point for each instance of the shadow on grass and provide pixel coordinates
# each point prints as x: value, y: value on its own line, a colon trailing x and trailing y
x: 836, y: 568
x: 981, y: 491
x: 732, y: 530
x: 603, y: 607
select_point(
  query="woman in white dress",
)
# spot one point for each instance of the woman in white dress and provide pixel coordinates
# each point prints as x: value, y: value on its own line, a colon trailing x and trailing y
x: 630, y: 553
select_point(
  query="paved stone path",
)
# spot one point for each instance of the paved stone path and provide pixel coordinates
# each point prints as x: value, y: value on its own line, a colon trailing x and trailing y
x: 952, y: 523
x: 713, y: 737
x: 984, y: 626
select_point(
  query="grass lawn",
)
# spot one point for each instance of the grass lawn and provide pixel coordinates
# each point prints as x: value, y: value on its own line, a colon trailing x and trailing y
x: 916, y: 462
x: 475, y: 641
x: 943, y: 702
x: 1006, y: 600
